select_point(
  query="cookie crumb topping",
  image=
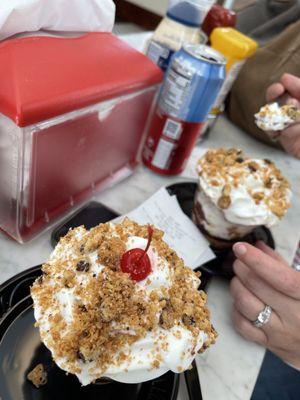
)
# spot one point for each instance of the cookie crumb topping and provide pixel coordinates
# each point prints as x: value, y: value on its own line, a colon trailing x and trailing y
x: 38, y: 376
x: 230, y: 169
x: 110, y: 311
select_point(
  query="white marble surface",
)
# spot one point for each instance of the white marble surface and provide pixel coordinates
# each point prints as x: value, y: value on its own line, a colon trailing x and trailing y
x: 229, y: 369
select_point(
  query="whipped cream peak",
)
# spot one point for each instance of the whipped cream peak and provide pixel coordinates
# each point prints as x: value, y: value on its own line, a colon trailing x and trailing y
x: 273, y: 117
x: 248, y: 192
x: 98, y: 322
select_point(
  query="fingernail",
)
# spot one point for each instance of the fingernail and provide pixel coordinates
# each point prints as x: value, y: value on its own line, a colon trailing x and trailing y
x: 239, y: 249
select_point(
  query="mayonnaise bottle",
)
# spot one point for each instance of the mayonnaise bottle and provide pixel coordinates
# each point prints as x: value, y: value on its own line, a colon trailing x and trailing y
x: 180, y: 25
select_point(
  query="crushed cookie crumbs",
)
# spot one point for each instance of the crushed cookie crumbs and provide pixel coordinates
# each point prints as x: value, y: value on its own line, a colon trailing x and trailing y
x: 38, y: 376
x: 109, y: 302
x: 230, y: 168
x: 82, y: 266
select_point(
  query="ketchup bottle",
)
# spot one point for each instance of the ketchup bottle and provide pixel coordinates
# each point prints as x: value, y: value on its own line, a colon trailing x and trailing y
x: 218, y: 16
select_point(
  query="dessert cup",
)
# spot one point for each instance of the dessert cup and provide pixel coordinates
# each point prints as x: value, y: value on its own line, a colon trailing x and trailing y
x: 116, y: 302
x: 220, y: 233
x: 236, y: 194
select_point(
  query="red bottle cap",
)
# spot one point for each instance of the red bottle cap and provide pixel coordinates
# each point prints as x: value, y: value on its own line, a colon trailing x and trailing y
x: 218, y: 16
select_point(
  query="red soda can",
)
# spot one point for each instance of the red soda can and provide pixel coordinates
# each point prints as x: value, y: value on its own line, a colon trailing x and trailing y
x: 189, y: 90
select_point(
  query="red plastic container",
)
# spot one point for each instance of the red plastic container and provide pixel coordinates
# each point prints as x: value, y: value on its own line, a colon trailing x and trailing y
x: 72, y: 116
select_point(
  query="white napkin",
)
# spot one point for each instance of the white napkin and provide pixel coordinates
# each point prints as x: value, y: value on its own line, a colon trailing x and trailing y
x: 20, y: 16
x: 163, y: 211
x: 190, y: 169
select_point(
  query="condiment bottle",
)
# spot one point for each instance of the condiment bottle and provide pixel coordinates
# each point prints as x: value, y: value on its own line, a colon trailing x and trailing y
x: 217, y: 16
x: 236, y: 47
x: 181, y: 25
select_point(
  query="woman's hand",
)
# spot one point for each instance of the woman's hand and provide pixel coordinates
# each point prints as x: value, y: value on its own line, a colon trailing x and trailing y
x: 289, y: 137
x: 264, y: 278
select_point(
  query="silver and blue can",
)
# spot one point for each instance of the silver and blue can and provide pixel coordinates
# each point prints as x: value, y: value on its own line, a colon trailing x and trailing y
x: 191, y: 85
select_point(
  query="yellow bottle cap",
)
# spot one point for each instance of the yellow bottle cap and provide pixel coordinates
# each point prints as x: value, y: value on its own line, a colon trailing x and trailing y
x: 232, y: 43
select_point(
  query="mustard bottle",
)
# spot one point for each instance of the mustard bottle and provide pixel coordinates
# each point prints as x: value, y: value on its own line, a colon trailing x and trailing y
x: 236, y: 47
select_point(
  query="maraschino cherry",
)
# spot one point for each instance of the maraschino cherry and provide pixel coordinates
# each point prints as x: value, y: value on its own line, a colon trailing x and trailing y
x: 136, y: 262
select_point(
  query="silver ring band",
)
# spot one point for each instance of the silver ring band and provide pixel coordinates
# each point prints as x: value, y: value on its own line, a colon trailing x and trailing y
x: 263, y: 317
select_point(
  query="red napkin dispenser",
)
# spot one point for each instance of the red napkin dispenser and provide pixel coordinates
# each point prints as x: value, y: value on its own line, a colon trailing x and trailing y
x: 72, y: 116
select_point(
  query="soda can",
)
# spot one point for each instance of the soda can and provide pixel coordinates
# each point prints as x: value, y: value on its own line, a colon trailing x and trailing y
x: 190, y: 88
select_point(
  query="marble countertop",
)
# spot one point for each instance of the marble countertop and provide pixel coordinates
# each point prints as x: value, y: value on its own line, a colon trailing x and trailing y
x: 229, y: 369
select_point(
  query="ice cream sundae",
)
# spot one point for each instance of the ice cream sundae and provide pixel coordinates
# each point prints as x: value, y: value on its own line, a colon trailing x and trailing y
x: 117, y: 302
x: 236, y: 194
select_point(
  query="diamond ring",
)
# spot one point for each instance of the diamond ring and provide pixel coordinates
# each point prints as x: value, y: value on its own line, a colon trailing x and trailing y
x: 263, y: 317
